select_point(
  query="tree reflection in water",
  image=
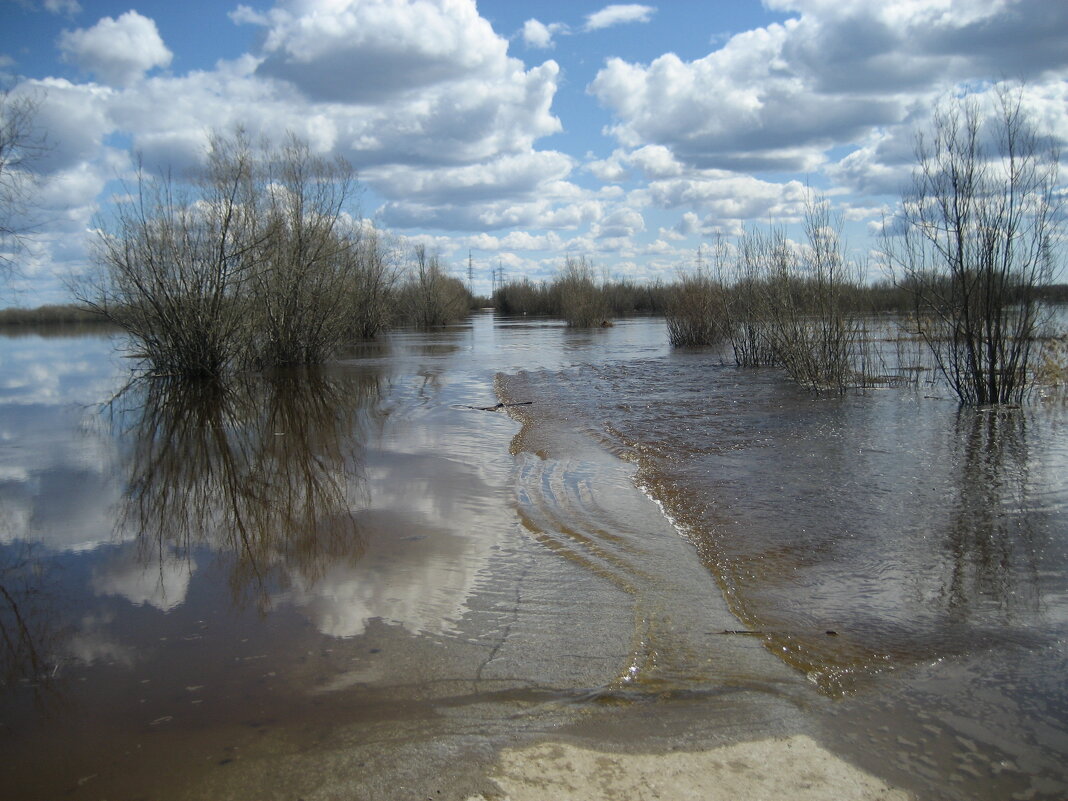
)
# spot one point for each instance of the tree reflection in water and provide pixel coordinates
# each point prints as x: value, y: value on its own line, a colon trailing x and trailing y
x: 991, y: 541
x: 29, y: 631
x: 266, y: 469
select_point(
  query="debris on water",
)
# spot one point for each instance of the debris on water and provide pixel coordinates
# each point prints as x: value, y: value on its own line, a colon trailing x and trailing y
x: 498, y: 406
x: 751, y: 632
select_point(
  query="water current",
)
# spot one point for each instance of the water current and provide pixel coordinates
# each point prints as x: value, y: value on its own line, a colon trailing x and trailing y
x: 365, y: 581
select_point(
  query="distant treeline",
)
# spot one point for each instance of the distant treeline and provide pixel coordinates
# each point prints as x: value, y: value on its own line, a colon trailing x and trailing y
x: 619, y: 298
x: 62, y: 314
x: 622, y: 298
x: 257, y: 261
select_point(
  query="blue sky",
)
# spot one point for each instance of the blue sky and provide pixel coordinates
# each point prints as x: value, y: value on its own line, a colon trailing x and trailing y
x: 521, y: 132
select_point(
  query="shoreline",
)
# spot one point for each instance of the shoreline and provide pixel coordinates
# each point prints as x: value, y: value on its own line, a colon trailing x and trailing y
x: 794, y: 768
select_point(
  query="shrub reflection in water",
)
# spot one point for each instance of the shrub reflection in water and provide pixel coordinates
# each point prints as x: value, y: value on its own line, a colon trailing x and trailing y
x: 265, y: 469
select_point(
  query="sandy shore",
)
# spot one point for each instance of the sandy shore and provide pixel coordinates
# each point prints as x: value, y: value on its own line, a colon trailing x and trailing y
x: 795, y: 768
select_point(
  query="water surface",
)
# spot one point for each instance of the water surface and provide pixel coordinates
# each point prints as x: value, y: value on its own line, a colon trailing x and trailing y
x: 350, y: 583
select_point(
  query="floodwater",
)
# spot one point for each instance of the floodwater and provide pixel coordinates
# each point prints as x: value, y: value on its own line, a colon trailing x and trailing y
x: 351, y: 584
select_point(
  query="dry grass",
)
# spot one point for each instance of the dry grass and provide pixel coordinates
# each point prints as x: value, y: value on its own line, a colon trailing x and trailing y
x: 1052, y: 362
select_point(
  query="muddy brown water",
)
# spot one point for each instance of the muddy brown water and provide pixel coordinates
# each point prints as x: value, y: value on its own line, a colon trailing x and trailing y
x: 353, y: 585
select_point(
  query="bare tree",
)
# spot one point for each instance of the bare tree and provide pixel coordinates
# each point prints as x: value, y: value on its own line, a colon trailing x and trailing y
x: 372, y: 283
x: 254, y: 263
x: 977, y: 235
x: 582, y: 302
x: 306, y: 258
x: 430, y: 297
x: 174, y: 261
x: 20, y: 145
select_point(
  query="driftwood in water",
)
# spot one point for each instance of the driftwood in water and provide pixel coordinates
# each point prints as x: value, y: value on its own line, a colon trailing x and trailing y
x: 498, y: 406
x: 829, y: 632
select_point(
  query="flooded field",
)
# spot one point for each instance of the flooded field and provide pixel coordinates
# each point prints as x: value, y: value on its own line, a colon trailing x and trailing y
x: 353, y: 584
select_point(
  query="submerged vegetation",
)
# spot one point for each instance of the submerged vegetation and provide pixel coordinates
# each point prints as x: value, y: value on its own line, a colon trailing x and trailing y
x: 774, y: 302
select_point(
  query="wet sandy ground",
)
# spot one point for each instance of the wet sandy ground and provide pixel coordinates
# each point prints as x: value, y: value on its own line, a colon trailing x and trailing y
x: 769, y: 769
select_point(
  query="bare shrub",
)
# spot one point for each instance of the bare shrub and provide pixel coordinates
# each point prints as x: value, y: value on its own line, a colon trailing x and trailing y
x: 822, y: 343
x: 747, y: 306
x: 695, y: 311
x: 431, y: 298
x: 582, y: 304
x: 305, y: 259
x: 20, y: 145
x: 253, y: 263
x: 525, y: 297
x: 790, y: 305
x: 617, y: 298
x: 173, y: 264
x: 976, y: 237
x: 371, y: 283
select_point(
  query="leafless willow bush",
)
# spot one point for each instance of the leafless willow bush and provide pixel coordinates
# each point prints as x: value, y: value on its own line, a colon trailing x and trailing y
x: 582, y: 303
x: 525, y: 297
x: 372, y: 283
x: 256, y: 262
x: 748, y: 303
x: 694, y: 311
x: 819, y: 339
x: 175, y: 259
x: 429, y: 297
x: 304, y: 258
x: 21, y: 144
x: 790, y: 305
x: 978, y: 236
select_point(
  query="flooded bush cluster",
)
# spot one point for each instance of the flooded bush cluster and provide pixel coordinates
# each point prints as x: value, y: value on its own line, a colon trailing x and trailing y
x: 978, y: 234
x: 778, y: 303
x: 577, y: 297
x: 973, y: 251
x: 257, y: 262
x: 775, y: 302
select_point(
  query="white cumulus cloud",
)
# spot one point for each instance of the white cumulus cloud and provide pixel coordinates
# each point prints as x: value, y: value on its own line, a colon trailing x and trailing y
x: 618, y: 14
x: 778, y: 98
x: 118, y: 51
x: 370, y: 50
x: 537, y: 34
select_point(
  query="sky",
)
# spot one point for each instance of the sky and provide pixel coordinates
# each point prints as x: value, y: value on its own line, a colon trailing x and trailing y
x: 519, y: 133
